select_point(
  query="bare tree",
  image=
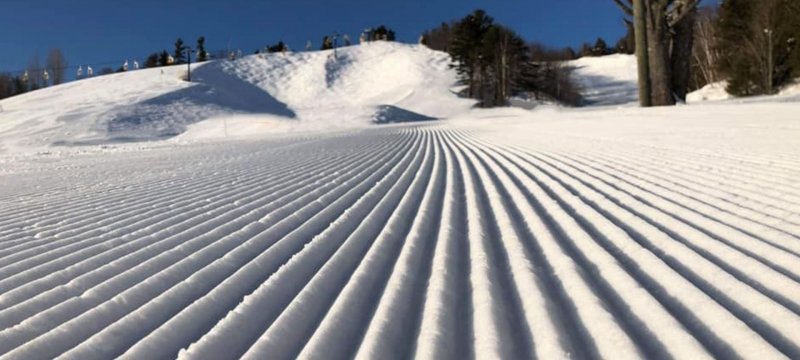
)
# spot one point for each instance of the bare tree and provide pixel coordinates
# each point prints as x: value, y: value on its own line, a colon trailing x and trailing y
x: 668, y: 25
x: 705, y: 53
x: 56, y: 65
x: 35, y: 72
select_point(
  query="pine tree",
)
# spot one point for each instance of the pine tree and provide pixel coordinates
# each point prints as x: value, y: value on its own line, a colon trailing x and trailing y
x: 600, y: 48
x: 152, y: 61
x: 20, y: 85
x: 163, y: 58
x: 627, y: 43
x: 465, y: 48
x: 587, y: 50
x: 327, y: 43
x: 757, y: 43
x: 179, y: 55
x: 279, y: 47
x: 202, y: 55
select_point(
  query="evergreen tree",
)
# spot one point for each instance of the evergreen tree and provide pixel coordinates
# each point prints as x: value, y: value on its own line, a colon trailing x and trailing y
x: 439, y: 37
x: 327, y: 43
x: 6, y: 86
x: 465, y: 48
x: 152, y: 61
x: 587, y: 50
x: 757, y: 44
x: 570, y: 54
x: 734, y: 62
x: 202, y: 55
x: 279, y: 47
x: 627, y: 43
x: 163, y: 58
x: 20, y: 85
x: 600, y: 48
x: 179, y: 53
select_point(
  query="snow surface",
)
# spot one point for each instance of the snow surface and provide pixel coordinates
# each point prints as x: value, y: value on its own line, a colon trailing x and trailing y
x: 607, y: 80
x: 259, y: 94
x: 619, y: 233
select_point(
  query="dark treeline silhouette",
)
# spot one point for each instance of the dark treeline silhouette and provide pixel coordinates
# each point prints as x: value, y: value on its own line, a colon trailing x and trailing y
x: 496, y: 64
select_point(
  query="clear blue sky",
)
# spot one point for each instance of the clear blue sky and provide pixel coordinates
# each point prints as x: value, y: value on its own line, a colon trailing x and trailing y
x: 96, y: 31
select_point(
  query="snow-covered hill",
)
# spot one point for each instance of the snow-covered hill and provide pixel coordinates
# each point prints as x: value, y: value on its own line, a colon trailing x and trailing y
x: 255, y: 94
x: 607, y: 80
x: 602, y: 232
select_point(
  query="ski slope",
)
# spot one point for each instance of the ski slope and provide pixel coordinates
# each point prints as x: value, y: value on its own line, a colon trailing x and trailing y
x: 468, y: 239
x: 256, y: 95
x: 611, y: 232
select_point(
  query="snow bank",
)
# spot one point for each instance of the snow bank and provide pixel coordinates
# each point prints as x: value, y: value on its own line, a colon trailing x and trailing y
x: 710, y: 92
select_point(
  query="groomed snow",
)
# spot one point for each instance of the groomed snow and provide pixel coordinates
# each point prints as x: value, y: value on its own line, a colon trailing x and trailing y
x: 619, y: 233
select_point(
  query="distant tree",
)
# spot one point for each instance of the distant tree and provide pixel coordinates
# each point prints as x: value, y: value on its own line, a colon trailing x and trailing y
x: 600, y: 48
x: 540, y: 52
x: 383, y: 33
x: 569, y: 54
x: 20, y: 85
x: 327, y: 43
x: 56, y: 65
x: 587, y: 50
x: 279, y: 47
x: 6, y: 86
x: 439, y: 37
x: 107, y: 71
x: 627, y: 43
x: 202, y: 54
x: 152, y: 61
x: 35, y: 78
x: 179, y: 52
x: 163, y: 58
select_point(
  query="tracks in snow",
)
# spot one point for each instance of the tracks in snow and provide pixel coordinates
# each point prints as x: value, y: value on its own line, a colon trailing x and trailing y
x: 405, y: 241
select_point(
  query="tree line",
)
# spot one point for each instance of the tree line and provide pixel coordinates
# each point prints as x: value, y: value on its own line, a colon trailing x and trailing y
x: 38, y: 75
x: 495, y: 63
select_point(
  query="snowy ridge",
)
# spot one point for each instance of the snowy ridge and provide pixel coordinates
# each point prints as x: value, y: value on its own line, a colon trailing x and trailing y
x: 256, y: 95
x: 438, y: 241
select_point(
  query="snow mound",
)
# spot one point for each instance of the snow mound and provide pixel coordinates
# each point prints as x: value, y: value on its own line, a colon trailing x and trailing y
x: 607, y: 80
x: 710, y: 92
x: 310, y: 90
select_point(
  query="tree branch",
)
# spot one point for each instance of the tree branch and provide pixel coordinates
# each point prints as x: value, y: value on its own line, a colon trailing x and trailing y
x: 679, y: 12
x: 627, y: 9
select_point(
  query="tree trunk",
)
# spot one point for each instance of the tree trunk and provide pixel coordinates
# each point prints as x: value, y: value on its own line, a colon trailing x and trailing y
x: 640, y: 33
x: 682, y: 44
x: 660, y: 64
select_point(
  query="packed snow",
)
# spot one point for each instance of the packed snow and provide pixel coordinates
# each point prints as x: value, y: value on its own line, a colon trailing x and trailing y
x: 612, y: 232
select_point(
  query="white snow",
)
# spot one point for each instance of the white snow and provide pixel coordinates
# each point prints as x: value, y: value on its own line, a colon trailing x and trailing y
x: 607, y: 80
x: 258, y: 94
x: 282, y: 223
x: 710, y: 92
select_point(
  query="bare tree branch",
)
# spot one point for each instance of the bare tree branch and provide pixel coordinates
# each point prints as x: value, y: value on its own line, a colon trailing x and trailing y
x: 679, y: 12
x: 626, y: 8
